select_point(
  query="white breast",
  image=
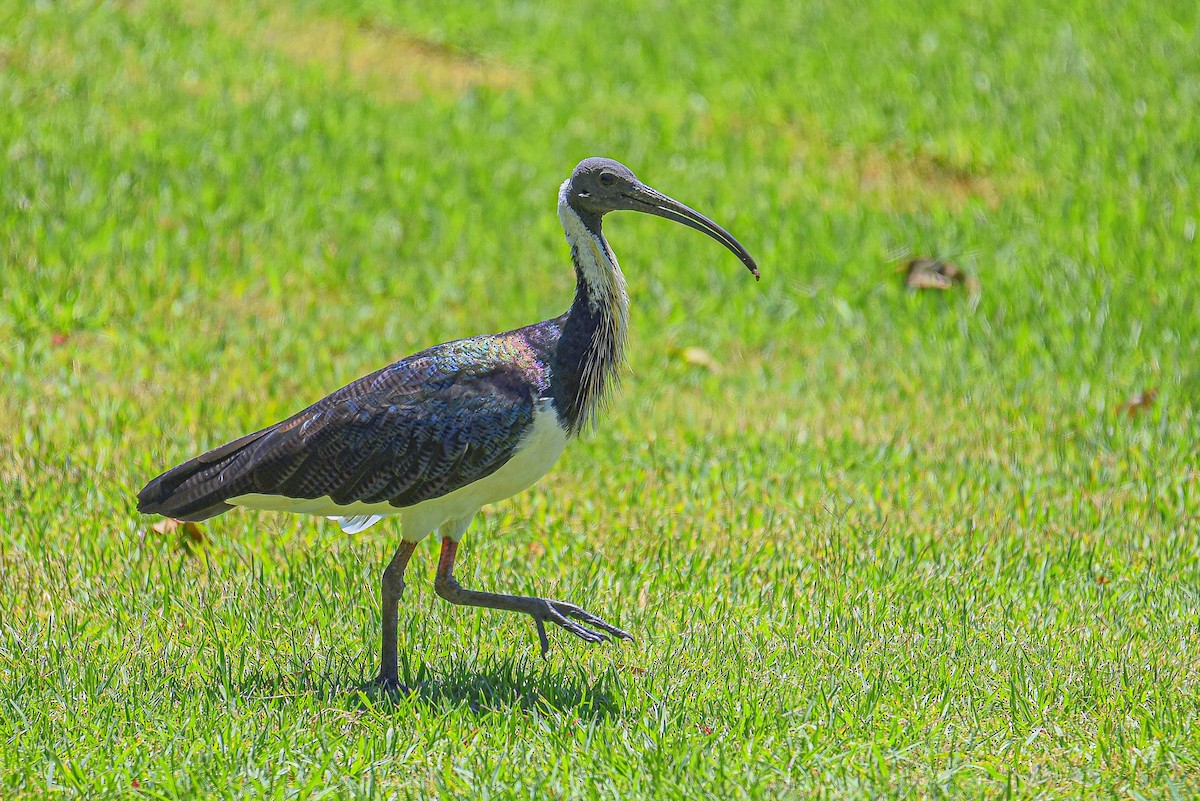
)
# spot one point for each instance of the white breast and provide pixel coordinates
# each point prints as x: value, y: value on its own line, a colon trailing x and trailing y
x: 533, y: 458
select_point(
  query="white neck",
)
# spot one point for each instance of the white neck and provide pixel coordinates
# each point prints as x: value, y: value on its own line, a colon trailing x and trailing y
x: 599, y: 318
x: 595, y: 261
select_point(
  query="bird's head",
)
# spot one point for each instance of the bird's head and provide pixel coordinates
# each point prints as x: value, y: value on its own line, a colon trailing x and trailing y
x: 599, y: 185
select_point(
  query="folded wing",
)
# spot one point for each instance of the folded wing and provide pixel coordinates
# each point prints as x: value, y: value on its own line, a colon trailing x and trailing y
x: 416, y: 430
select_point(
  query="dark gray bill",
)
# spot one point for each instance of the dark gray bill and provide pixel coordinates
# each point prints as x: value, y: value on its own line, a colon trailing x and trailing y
x: 651, y: 201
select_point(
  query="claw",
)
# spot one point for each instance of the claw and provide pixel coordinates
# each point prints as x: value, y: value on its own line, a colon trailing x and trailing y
x: 578, y: 613
x: 558, y: 612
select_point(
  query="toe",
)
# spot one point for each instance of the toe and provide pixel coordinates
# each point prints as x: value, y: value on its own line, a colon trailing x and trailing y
x: 387, y: 684
x: 587, y: 617
x: 543, y: 640
x: 579, y: 631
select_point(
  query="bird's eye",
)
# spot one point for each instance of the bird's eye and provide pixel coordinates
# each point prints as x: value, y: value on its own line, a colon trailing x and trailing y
x: 607, y: 179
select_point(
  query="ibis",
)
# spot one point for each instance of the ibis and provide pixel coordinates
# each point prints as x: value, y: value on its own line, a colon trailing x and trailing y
x: 436, y: 436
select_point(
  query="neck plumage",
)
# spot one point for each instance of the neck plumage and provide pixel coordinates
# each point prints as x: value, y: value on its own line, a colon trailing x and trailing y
x: 592, y: 346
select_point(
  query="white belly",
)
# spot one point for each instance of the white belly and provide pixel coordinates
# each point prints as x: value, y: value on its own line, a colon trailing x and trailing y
x: 533, y: 458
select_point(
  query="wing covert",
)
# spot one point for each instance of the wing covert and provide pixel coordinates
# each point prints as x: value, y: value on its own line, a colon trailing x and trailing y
x: 420, y: 428
x: 371, y: 450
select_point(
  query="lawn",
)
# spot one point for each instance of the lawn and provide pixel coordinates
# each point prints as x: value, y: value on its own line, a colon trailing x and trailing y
x: 870, y: 542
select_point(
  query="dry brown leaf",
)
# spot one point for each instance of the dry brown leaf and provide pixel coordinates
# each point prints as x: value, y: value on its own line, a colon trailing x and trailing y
x: 165, y: 525
x: 184, y: 528
x: 1138, y: 403
x: 937, y: 274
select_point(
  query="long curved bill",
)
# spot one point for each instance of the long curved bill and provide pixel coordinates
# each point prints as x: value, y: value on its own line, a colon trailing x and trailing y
x: 651, y: 201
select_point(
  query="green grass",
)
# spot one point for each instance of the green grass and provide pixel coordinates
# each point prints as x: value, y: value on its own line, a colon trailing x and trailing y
x: 894, y: 545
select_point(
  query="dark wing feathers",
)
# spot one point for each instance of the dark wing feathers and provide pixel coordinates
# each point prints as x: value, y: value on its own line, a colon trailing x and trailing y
x: 416, y: 430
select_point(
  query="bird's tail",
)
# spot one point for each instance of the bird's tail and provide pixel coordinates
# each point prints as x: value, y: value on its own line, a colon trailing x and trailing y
x: 198, y: 488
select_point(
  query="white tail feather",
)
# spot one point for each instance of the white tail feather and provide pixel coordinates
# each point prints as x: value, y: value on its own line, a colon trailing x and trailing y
x: 357, y: 523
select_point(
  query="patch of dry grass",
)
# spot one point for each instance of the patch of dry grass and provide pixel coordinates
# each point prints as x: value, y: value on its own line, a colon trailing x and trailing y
x: 390, y: 64
x: 886, y: 176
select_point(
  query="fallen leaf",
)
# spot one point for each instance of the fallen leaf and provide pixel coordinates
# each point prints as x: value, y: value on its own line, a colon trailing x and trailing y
x: 640, y: 671
x: 699, y: 357
x: 1101, y: 580
x: 937, y: 274
x: 185, y: 528
x: 1138, y: 403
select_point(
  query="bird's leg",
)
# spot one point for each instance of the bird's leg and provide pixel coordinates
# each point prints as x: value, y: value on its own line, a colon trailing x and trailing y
x: 540, y: 609
x: 391, y: 586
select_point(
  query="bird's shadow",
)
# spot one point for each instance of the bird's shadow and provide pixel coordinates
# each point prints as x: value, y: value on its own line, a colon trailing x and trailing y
x: 479, y: 684
x: 506, y: 683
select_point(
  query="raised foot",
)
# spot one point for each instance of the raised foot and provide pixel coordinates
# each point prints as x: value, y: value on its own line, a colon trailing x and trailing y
x: 561, y: 614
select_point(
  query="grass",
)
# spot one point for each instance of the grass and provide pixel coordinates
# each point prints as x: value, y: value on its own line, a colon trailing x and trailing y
x: 877, y: 544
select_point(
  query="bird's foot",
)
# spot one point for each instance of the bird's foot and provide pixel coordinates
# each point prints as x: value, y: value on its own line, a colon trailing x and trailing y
x: 564, y: 615
x: 389, y: 685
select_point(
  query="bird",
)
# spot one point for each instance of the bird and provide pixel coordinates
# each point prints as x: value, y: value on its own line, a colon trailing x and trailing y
x: 436, y: 436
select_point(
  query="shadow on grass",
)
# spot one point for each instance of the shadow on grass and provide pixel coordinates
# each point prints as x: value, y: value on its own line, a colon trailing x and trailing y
x: 505, y: 683
x: 482, y: 685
